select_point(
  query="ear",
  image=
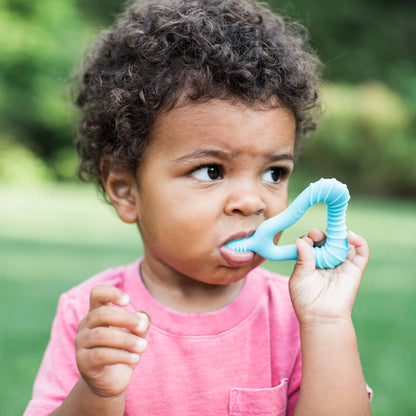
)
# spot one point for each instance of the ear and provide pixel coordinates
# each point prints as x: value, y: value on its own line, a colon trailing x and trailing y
x: 121, y: 188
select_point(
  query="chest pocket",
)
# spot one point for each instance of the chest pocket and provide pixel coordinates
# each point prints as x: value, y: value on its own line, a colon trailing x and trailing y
x: 259, y: 402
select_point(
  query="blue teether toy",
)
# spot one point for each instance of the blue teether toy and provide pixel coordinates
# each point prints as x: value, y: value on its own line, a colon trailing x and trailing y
x: 335, y: 194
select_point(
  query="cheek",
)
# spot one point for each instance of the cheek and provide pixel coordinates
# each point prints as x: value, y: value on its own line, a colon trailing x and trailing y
x: 278, y: 204
x: 277, y: 208
x: 179, y: 222
x: 195, y: 227
x: 193, y: 209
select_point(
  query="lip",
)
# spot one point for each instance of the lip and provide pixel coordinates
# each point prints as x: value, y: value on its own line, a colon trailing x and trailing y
x: 233, y: 258
x: 238, y: 236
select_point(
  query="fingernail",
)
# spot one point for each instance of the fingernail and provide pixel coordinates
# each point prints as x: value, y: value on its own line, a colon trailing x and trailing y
x: 125, y: 299
x: 134, y: 358
x: 143, y: 323
x: 141, y: 344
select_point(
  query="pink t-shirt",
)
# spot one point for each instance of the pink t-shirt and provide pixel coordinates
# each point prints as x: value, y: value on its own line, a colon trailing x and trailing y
x: 241, y: 360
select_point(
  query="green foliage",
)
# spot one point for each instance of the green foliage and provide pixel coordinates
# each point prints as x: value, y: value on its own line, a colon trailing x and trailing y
x: 20, y: 165
x: 367, y: 139
x: 65, y: 163
x: 360, y: 40
x: 41, y: 42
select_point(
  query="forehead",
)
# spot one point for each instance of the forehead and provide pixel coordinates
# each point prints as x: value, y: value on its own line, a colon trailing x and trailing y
x: 234, y: 127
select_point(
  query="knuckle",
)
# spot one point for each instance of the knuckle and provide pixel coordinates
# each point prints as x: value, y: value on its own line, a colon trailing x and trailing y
x: 95, y: 292
x: 101, y: 288
x: 82, y: 361
x: 100, y: 335
x: 83, y: 323
x: 100, y: 355
x: 102, y: 314
x: 79, y: 338
x: 77, y: 343
x: 80, y: 354
x: 100, y: 292
x: 86, y: 322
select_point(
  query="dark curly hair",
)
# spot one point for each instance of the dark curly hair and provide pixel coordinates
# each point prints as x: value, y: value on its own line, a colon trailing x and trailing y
x: 164, y: 53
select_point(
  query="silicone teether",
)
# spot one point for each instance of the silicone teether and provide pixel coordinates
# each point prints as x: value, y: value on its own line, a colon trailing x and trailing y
x: 335, y: 194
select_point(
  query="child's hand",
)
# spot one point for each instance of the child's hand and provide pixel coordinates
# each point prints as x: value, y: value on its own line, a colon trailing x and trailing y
x: 325, y: 295
x: 109, y: 342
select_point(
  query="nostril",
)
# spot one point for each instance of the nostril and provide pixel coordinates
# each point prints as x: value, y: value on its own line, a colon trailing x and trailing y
x: 245, y: 205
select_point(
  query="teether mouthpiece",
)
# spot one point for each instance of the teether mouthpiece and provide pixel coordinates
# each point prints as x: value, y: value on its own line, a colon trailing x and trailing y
x: 330, y: 191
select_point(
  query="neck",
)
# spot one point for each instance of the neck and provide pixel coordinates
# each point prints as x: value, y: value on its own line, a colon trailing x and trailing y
x: 184, y: 294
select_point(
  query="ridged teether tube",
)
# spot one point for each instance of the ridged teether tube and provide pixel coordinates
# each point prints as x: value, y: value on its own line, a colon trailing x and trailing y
x: 330, y: 191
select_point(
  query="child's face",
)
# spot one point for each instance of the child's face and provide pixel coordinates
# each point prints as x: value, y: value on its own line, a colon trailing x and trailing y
x: 213, y: 172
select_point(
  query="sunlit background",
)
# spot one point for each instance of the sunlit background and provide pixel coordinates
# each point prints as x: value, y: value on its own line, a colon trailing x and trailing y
x: 55, y: 232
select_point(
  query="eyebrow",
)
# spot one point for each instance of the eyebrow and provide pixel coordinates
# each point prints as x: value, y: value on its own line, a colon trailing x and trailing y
x: 277, y: 158
x: 202, y: 154
x: 219, y: 154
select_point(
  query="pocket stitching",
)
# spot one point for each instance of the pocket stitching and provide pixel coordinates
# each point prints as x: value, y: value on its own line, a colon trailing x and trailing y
x: 236, y: 410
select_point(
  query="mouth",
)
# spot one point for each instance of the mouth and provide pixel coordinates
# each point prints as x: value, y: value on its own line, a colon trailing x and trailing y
x: 234, y: 258
x: 238, y: 236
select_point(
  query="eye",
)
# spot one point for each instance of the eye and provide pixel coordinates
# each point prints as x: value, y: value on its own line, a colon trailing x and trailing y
x: 207, y: 173
x: 273, y: 175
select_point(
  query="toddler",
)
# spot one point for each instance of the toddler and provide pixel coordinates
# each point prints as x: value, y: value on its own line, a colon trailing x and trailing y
x: 192, y: 112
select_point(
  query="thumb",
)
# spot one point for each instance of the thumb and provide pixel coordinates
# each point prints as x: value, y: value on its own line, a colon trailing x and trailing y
x: 305, y: 264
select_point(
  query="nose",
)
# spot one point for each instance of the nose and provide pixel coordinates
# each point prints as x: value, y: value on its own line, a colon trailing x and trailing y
x: 244, y: 200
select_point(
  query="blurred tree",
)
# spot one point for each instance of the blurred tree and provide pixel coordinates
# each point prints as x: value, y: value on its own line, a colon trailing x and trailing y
x: 366, y: 139
x: 362, y: 40
x: 42, y: 41
x: 100, y: 12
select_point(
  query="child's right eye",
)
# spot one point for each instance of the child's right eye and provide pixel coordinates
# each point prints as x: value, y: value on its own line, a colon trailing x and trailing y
x: 207, y: 173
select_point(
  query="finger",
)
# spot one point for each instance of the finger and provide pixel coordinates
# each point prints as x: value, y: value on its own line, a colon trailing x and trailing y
x: 361, y: 253
x: 107, y: 316
x: 307, y: 239
x: 111, y: 338
x: 145, y: 320
x: 305, y: 263
x: 318, y: 237
x: 101, y: 356
x: 105, y: 294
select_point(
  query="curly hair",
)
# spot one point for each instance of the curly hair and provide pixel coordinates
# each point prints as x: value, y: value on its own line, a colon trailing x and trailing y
x: 163, y: 53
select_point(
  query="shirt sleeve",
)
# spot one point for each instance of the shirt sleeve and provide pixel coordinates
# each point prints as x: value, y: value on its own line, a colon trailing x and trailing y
x: 58, y: 372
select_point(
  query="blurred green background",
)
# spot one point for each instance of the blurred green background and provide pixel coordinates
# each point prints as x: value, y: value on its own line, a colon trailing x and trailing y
x: 54, y: 232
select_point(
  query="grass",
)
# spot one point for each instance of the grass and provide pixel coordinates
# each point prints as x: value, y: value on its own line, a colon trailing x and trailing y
x: 52, y: 238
